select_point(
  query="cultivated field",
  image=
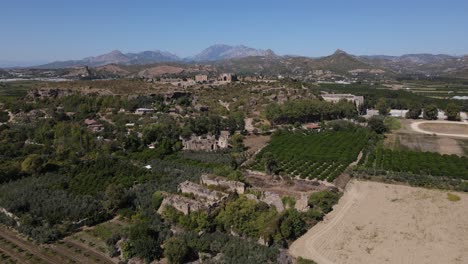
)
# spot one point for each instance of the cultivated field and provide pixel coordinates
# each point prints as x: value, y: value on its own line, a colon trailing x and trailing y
x: 14, y: 248
x: 311, y: 155
x: 384, y: 223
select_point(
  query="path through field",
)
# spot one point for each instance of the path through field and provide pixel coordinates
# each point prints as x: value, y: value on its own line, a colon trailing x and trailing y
x: 384, y: 223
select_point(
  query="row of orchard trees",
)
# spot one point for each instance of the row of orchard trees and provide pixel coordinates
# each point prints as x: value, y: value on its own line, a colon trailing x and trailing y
x: 313, y: 155
x: 429, y: 112
x: 424, y: 163
x: 310, y: 110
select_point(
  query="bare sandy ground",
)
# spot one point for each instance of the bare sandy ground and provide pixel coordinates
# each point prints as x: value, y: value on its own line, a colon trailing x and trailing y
x: 428, y: 127
x: 407, y: 138
x: 383, y: 223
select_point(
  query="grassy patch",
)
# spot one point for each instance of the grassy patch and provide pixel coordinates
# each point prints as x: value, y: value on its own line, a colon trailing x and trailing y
x: 464, y: 145
x: 392, y: 123
x: 453, y: 197
x: 301, y: 260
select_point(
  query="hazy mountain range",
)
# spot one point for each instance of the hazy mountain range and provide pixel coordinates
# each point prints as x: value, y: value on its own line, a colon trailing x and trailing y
x: 212, y: 53
x: 247, y: 60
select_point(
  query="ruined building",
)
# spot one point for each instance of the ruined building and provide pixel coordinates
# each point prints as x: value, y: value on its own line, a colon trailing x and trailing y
x: 228, y: 77
x: 231, y: 186
x: 207, y: 142
x: 212, y: 197
x: 201, y: 78
x: 182, y: 204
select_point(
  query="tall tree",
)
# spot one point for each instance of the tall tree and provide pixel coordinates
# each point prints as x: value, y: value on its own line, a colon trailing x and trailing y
x: 414, y: 112
x: 430, y: 112
x: 453, y: 112
x: 382, y: 106
x: 376, y: 123
x: 271, y: 166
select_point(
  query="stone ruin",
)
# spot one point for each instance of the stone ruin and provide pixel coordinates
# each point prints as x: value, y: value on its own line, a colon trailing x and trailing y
x: 228, y: 77
x: 201, y: 78
x: 273, y: 199
x: 211, y: 196
x: 204, y: 199
x: 207, y: 142
x: 182, y: 204
x: 231, y: 186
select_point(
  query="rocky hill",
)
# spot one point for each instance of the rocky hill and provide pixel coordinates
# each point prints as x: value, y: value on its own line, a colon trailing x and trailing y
x: 223, y: 52
x: 339, y: 62
x: 244, y: 60
x: 115, y: 57
x: 419, y: 63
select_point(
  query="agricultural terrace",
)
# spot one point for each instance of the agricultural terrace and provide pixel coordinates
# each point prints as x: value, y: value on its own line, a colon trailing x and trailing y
x: 313, y: 155
x: 419, y: 163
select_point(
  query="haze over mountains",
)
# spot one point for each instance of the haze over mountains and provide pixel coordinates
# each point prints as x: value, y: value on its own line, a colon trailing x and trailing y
x: 243, y: 59
x: 212, y: 53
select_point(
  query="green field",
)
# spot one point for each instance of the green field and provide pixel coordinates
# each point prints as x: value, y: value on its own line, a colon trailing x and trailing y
x: 15, y: 89
x: 418, y: 163
x: 313, y: 155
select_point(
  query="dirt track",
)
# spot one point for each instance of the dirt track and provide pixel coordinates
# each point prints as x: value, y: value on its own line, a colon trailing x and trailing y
x: 384, y: 223
x: 415, y: 127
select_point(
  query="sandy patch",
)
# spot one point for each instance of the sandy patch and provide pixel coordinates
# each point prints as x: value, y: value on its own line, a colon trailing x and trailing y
x: 254, y: 143
x: 384, y: 223
x: 442, y: 128
x: 461, y: 128
x: 113, y: 69
x: 160, y: 70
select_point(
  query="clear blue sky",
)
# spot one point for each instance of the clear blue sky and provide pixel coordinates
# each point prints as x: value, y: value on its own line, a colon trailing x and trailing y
x: 46, y: 30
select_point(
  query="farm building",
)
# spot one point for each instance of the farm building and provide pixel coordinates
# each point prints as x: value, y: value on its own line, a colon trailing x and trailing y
x: 143, y: 111
x: 334, y: 98
x: 311, y: 126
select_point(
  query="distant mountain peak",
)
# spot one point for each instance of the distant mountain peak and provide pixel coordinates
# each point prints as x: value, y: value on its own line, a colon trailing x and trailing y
x: 339, y: 51
x: 115, y: 52
x: 223, y: 52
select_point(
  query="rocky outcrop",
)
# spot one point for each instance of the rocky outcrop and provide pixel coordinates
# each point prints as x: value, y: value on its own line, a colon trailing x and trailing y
x: 302, y: 204
x: 273, y: 199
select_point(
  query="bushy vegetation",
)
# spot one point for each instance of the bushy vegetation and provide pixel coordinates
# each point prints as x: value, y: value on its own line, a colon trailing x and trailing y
x: 312, y: 155
x: 46, y: 209
x: 186, y: 247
